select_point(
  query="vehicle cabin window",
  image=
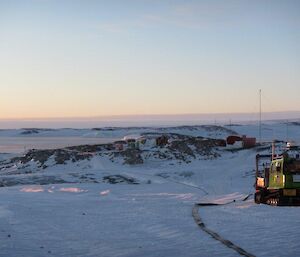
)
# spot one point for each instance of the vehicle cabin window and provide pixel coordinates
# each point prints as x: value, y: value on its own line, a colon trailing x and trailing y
x: 278, y: 166
x: 273, y: 168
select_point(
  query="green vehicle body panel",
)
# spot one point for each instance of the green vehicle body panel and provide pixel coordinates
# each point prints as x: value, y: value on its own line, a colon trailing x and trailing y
x: 289, y: 183
x: 280, y: 178
x: 276, y: 176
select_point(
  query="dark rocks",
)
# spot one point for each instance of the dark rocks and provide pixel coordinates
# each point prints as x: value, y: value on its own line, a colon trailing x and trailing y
x: 61, y: 156
x: 29, y: 131
x: 205, y: 147
x: 181, y: 146
x: 215, y: 128
x: 295, y: 123
x: 192, y: 146
x: 40, y: 156
x: 119, y: 179
x: 90, y: 148
x: 30, y: 180
x: 132, y: 156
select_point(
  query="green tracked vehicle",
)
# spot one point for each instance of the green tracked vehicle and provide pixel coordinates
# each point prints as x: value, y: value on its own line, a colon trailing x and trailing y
x: 278, y: 179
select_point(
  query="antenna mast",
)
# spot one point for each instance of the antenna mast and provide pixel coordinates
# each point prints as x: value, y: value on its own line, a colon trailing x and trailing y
x: 260, y: 116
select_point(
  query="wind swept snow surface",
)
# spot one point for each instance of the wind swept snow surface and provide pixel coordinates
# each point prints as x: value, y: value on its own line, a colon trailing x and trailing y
x: 59, y: 204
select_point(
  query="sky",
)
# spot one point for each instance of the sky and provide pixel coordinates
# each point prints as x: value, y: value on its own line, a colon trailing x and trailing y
x: 88, y: 58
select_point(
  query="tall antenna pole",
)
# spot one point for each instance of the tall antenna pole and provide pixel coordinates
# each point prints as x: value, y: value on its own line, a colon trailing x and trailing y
x: 287, y: 130
x: 260, y: 116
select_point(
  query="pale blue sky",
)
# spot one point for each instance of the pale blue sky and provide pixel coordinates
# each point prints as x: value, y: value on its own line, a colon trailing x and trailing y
x: 66, y: 58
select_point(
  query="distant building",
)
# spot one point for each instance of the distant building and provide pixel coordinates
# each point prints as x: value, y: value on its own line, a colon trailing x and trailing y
x: 241, y: 141
x: 248, y: 142
x: 120, y: 145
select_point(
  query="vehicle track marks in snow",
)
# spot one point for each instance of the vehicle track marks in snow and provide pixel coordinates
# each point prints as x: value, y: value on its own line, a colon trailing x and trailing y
x: 177, y: 182
x: 184, y: 184
x: 213, y: 234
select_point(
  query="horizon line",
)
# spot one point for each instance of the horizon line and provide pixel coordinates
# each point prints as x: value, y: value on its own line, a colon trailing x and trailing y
x: 143, y: 116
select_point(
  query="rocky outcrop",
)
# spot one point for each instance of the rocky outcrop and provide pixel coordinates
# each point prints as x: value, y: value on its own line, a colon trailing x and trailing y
x: 181, y: 147
x: 132, y: 156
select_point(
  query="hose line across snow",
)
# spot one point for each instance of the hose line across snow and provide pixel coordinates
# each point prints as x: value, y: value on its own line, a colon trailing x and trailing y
x: 213, y: 234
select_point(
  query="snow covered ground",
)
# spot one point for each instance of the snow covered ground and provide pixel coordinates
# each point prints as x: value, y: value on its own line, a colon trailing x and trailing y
x: 148, y: 211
